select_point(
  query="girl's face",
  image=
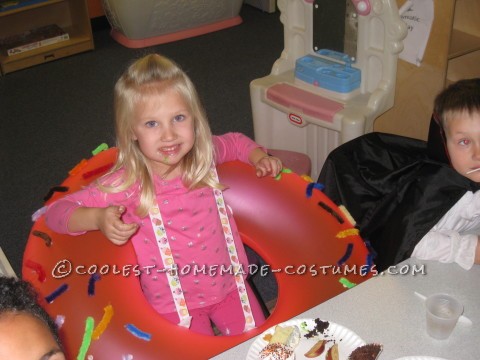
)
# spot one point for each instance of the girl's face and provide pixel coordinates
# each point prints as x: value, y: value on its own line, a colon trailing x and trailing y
x: 463, y: 143
x: 164, y: 128
x: 15, y: 328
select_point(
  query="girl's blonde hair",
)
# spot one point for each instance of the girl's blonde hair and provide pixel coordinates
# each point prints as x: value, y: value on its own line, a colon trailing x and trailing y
x: 149, y: 76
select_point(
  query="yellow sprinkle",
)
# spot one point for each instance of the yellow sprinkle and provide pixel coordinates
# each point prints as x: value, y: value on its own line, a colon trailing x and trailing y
x: 102, y: 325
x: 349, y: 232
x: 307, y: 178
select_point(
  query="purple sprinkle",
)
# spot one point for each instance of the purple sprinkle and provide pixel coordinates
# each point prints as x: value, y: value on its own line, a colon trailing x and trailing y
x: 91, y: 284
x: 345, y: 257
x: 366, y: 269
x: 312, y: 186
x: 56, y: 293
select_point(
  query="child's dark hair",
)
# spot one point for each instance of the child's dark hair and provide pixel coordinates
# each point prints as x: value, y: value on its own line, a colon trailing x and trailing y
x: 461, y: 96
x: 18, y: 296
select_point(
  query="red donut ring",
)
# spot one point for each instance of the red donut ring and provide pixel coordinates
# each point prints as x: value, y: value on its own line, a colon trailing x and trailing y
x: 275, y: 218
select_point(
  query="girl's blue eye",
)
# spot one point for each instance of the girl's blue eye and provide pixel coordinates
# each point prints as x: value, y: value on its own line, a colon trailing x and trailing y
x: 179, y: 118
x: 151, y: 124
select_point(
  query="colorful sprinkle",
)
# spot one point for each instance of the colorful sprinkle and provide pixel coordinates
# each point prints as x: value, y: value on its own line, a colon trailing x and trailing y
x: 100, y: 148
x: 347, y: 255
x: 56, y: 293
x: 87, y: 338
x: 97, y: 171
x: 349, y: 232
x: 312, y: 186
x: 370, y: 248
x: 366, y: 269
x: 53, y: 190
x: 44, y: 236
x: 36, y: 215
x: 306, y: 178
x: 346, y: 283
x: 347, y: 214
x: 59, y: 321
x: 102, y: 325
x: 331, y: 211
x: 91, y: 283
x: 37, y: 268
x: 137, y: 332
x: 284, y: 171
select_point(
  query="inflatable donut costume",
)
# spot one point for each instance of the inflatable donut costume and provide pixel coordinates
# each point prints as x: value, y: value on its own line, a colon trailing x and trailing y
x: 91, y: 286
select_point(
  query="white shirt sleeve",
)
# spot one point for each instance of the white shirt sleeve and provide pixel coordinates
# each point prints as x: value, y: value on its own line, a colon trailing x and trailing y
x: 447, y: 246
x: 455, y: 237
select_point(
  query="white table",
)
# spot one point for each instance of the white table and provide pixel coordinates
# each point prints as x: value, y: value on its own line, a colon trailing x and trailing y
x: 385, y: 310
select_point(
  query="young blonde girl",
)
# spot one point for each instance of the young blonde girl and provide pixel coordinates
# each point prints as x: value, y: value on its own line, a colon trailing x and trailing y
x: 164, y: 196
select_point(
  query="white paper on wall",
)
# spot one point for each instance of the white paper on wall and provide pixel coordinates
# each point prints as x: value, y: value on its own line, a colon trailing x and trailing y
x: 418, y: 15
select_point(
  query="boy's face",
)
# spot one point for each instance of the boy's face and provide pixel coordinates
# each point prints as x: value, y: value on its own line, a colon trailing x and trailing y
x: 463, y: 143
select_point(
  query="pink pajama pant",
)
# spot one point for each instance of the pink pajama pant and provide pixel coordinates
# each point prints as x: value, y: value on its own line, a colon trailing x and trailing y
x: 227, y: 315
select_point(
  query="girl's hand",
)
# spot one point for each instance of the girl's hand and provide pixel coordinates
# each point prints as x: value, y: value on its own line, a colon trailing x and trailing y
x: 268, y: 165
x: 113, y: 227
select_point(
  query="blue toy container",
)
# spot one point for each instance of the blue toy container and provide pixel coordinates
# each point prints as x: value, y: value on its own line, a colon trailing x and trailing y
x: 325, y: 71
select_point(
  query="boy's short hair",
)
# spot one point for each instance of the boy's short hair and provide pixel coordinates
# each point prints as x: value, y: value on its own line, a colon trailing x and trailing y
x: 461, y: 96
x: 18, y: 296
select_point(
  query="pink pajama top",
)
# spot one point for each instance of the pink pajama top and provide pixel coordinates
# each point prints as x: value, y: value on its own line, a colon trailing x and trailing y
x: 192, y: 224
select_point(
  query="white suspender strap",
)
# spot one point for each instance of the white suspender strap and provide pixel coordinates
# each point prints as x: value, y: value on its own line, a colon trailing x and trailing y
x: 170, y: 267
x: 172, y: 271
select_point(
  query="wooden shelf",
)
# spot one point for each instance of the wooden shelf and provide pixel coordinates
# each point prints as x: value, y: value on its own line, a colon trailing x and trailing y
x: 29, y: 7
x: 71, y: 15
x: 464, y: 52
x: 464, y: 67
x: 452, y: 53
x: 462, y: 43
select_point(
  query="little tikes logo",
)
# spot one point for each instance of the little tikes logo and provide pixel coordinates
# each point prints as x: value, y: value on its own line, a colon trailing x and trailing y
x: 295, y: 119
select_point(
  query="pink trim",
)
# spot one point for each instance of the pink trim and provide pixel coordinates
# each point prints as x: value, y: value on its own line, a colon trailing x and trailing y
x: 362, y: 3
x: 309, y: 103
x: 179, y: 35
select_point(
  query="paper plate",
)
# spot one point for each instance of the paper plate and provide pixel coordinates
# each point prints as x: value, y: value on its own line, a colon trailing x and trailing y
x: 346, y: 339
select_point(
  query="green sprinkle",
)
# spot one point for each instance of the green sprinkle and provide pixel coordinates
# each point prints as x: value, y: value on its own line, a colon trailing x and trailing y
x: 100, y: 148
x: 346, y: 283
x: 87, y: 338
x: 284, y: 171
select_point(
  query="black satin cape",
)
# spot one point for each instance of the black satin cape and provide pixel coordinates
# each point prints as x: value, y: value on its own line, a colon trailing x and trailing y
x: 396, y: 188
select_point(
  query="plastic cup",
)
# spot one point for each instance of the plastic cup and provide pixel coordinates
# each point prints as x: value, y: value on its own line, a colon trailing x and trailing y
x: 443, y: 312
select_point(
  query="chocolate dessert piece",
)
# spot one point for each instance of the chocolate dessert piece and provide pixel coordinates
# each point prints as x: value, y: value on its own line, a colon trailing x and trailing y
x: 320, y: 327
x: 366, y: 352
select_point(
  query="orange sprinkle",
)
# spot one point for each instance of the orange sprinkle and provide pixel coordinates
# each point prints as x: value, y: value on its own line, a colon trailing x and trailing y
x: 102, y: 325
